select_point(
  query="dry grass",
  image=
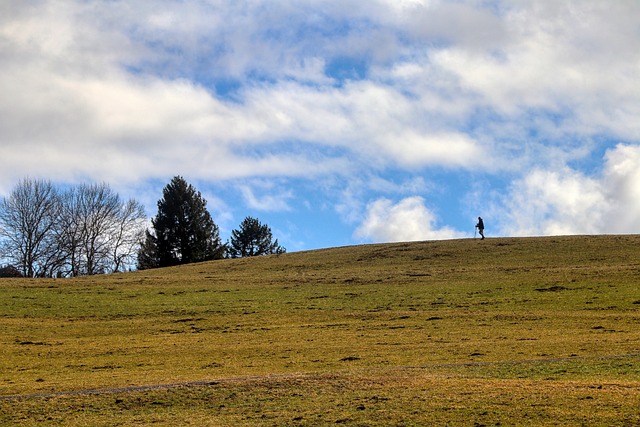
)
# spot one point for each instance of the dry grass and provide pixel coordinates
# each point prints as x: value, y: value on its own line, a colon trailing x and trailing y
x: 391, y: 397
x: 512, y: 331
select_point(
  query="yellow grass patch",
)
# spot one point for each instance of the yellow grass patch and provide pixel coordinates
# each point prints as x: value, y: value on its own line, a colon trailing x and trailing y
x: 509, y: 331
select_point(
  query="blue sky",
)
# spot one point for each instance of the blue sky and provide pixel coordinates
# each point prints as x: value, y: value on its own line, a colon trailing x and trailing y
x: 335, y: 122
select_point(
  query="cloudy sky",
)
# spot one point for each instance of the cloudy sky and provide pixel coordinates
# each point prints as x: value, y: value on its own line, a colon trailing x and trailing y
x: 335, y: 122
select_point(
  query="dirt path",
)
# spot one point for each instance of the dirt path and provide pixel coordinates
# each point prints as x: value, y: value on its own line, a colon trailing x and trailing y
x: 275, y: 377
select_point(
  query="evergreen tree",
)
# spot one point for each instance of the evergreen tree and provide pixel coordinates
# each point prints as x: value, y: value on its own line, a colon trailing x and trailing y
x: 10, y: 271
x: 253, y: 239
x: 148, y: 253
x: 184, y: 229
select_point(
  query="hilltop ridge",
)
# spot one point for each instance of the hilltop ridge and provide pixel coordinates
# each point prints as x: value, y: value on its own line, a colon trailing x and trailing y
x: 607, y: 251
x: 527, y: 324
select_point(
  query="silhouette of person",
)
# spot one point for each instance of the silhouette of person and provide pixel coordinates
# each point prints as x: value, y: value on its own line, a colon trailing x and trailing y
x: 480, y: 227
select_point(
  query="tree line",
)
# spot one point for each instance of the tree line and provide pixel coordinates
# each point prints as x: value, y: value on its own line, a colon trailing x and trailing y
x: 81, y: 230
x: 89, y: 229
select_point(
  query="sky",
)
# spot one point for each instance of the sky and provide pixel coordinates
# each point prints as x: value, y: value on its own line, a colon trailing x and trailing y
x: 335, y: 122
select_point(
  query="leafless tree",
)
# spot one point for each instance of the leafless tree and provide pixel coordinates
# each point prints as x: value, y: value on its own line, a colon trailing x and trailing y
x: 128, y: 231
x: 101, y: 233
x: 84, y: 230
x: 99, y: 209
x: 28, y: 218
x: 70, y: 234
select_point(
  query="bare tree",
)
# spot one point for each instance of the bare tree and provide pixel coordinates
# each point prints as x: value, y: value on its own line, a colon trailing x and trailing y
x: 128, y: 231
x: 99, y: 207
x: 28, y: 217
x: 70, y: 234
x: 100, y: 232
x: 88, y: 229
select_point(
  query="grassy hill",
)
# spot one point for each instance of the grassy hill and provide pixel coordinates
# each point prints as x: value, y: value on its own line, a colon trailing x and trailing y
x: 510, y: 331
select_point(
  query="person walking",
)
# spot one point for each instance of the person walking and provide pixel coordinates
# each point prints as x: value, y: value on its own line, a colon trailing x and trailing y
x: 480, y: 227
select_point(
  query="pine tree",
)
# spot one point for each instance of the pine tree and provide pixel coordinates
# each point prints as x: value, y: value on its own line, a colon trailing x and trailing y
x: 148, y: 253
x: 253, y: 239
x: 184, y: 229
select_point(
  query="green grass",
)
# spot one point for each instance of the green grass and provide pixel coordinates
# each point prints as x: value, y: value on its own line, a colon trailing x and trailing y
x: 531, y: 331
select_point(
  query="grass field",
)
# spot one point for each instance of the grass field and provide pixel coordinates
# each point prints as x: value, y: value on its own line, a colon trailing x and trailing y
x: 527, y: 331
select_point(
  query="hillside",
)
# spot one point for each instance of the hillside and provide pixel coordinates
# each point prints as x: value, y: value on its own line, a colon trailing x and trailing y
x: 403, y: 321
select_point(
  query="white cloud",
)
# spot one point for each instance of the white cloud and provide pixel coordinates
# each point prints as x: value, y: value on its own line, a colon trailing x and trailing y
x: 572, y: 59
x: 88, y: 115
x: 79, y: 85
x: 407, y: 220
x: 551, y: 202
x: 621, y: 179
x: 448, y: 149
x: 267, y: 202
x: 310, y: 90
x: 374, y: 121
